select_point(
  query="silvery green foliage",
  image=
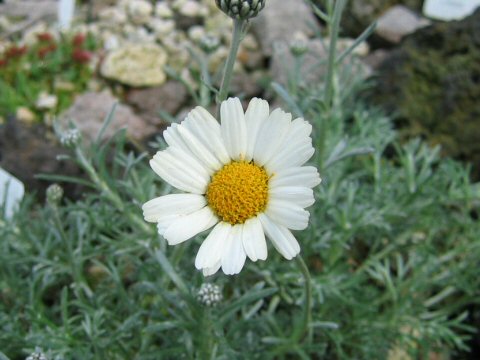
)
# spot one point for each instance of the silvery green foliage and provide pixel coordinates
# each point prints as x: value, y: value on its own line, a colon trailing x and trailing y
x: 241, y: 9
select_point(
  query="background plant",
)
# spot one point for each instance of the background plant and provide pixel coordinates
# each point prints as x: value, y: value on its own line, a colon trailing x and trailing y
x: 55, y: 66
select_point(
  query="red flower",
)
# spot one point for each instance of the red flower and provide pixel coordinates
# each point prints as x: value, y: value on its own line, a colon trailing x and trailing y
x: 45, y: 37
x: 43, y: 51
x: 81, y: 56
x: 79, y: 39
x: 3, y: 62
x: 15, y: 52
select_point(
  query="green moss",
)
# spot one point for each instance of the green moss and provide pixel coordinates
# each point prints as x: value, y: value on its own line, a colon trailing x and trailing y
x: 433, y: 83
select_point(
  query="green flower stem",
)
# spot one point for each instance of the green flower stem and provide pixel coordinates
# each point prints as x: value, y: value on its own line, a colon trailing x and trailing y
x: 332, y: 50
x: 303, y: 329
x: 238, y: 32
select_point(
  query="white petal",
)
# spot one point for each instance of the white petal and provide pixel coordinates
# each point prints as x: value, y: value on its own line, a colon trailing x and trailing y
x: 187, y: 226
x: 211, y: 250
x: 296, y: 157
x: 180, y: 170
x: 299, y: 195
x: 295, y: 176
x: 173, y: 204
x: 234, y: 129
x: 281, y: 238
x: 287, y: 214
x: 233, y: 257
x: 257, y: 112
x: 211, y: 270
x: 295, y: 150
x: 198, y: 149
x: 200, y: 122
x: 253, y: 239
x: 172, y: 138
x: 164, y: 223
x: 271, y: 135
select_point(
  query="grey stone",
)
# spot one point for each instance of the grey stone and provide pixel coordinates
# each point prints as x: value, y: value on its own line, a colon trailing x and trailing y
x: 148, y: 101
x: 397, y: 22
x: 27, y: 150
x: 359, y: 14
x: 136, y: 65
x: 314, y: 63
x: 376, y: 58
x: 90, y: 109
x: 280, y: 20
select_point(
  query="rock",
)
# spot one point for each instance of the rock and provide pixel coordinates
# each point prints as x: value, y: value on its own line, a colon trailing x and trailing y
x: 136, y: 65
x: 161, y: 28
x: 89, y: 111
x: 397, y: 22
x: 113, y: 16
x: 46, y: 101
x: 280, y: 19
x: 163, y: 10
x: 359, y: 14
x: 21, y: 9
x: 192, y: 9
x: 169, y: 97
x: 140, y: 35
x: 139, y: 11
x: 27, y: 150
x: 25, y: 115
x: 376, y: 58
x: 249, y: 85
x: 5, y: 24
x: 110, y: 41
x: 313, y: 67
x: 432, y: 82
x: 196, y: 33
x: 21, y: 12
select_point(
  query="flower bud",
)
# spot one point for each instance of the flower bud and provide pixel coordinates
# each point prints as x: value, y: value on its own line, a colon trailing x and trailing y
x: 209, y: 43
x: 298, y: 47
x: 70, y: 138
x: 209, y: 294
x: 37, y: 355
x: 54, y: 194
x: 241, y: 9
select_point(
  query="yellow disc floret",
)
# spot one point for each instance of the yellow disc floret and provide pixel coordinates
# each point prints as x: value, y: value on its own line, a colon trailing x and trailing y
x: 238, y: 192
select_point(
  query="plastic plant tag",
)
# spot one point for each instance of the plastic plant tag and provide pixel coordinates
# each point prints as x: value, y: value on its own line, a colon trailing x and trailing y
x: 66, y: 10
x: 11, y: 193
x: 449, y: 9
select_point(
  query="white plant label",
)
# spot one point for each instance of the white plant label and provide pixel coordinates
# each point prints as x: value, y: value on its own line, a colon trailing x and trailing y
x: 66, y: 10
x: 11, y: 193
x: 449, y: 9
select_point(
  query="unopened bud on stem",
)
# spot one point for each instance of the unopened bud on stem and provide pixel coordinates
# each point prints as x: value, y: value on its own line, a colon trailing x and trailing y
x: 241, y: 9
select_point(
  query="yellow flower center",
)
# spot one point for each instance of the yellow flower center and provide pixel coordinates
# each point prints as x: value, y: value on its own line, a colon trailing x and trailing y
x: 238, y: 192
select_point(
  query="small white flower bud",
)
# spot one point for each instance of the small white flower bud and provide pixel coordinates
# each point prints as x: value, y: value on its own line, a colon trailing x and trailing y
x: 54, y: 194
x: 298, y: 47
x: 209, y: 294
x: 209, y: 43
x: 37, y: 355
x: 241, y: 9
x: 70, y: 138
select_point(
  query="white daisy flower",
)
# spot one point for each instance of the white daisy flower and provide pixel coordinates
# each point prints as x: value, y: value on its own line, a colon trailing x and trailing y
x: 243, y: 177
